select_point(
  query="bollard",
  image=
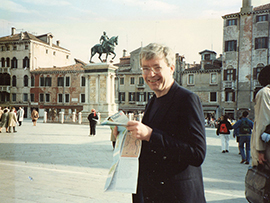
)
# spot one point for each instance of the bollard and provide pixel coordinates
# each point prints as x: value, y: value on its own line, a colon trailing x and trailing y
x: 45, y: 117
x: 61, y: 117
x: 74, y: 117
x: 80, y: 118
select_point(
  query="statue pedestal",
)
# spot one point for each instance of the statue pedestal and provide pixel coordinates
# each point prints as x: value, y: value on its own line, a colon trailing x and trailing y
x: 99, y: 90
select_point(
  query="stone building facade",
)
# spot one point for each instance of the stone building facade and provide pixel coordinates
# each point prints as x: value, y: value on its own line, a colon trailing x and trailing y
x: 21, y: 53
x: 246, y: 52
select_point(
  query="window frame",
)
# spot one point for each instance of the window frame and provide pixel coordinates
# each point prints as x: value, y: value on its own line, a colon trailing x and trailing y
x: 189, y: 79
x: 230, y: 45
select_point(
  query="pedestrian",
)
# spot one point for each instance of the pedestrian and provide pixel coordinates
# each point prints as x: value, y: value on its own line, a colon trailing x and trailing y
x: 223, y: 130
x: 92, y: 117
x: 12, y: 120
x: 34, y: 116
x: 1, y: 112
x: 243, y: 127
x: 20, y: 115
x: 260, y: 151
x: 4, y: 120
x: 172, y: 133
x: 113, y: 139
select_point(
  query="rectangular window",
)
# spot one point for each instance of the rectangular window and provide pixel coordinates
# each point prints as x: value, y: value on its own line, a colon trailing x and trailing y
x: 82, y: 98
x: 67, y: 98
x: 8, y: 48
x: 26, y: 47
x: 122, y: 96
x: 213, y: 96
x: 261, y: 43
x: 132, y: 80
x: 261, y: 18
x: 32, y: 81
x: 47, y: 98
x: 191, y: 79
x: 122, y: 81
x: 41, y: 82
x: 32, y: 97
x: 13, y: 97
x: 131, y: 97
x: 231, y: 22
x: 83, y: 81
x: 231, y: 45
x: 67, y: 81
x: 60, y: 98
x: 213, y: 78
x: 141, y: 96
x: 25, y: 97
x: 48, y: 81
x: 14, y: 48
x: 229, y: 96
x: 141, y: 80
x: 60, y: 82
x: 41, y: 97
x: 229, y: 74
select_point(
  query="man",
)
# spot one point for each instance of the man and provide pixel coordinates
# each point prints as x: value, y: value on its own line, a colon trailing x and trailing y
x: 20, y: 115
x: 243, y: 127
x: 172, y: 133
x: 103, y: 39
x: 12, y: 120
x: 1, y: 112
x: 260, y: 151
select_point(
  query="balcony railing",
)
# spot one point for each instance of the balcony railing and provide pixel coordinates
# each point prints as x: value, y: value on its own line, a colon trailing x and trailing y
x: 140, y: 86
x: 229, y: 84
x: 5, y: 70
x: 5, y: 88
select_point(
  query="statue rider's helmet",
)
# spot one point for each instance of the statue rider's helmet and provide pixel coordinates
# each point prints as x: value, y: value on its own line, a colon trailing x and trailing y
x: 104, y: 33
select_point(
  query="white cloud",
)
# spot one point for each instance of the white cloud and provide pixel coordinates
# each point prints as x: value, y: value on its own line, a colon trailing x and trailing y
x: 150, y: 5
x: 13, y: 7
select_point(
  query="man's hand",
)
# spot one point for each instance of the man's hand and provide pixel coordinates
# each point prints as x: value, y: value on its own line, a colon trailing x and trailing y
x: 261, y: 158
x: 139, y: 130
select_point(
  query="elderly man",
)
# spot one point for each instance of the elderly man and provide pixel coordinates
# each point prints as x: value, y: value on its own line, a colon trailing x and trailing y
x: 172, y: 133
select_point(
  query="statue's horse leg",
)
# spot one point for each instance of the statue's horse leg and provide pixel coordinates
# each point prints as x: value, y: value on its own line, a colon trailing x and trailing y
x: 93, y: 52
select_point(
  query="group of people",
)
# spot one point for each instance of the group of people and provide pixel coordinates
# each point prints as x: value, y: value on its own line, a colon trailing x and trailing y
x: 9, y: 118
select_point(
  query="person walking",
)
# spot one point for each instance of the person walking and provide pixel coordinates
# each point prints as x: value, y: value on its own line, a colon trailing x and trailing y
x: 4, y: 120
x: 20, y: 115
x: 34, y: 116
x: 260, y: 150
x: 223, y: 130
x: 172, y: 133
x: 92, y: 117
x: 244, y: 127
x: 12, y: 120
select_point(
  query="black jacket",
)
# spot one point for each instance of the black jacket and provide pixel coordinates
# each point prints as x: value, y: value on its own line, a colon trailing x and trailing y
x: 90, y: 118
x: 170, y: 163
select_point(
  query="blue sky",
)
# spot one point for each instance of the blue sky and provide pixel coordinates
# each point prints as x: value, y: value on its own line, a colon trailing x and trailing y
x: 188, y: 26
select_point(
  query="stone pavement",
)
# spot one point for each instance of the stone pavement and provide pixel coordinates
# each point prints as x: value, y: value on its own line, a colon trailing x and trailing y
x: 56, y: 163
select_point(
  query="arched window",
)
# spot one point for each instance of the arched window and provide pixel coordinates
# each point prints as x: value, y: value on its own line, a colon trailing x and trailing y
x: 14, y: 81
x: 8, y: 62
x: 2, y: 62
x: 25, y: 80
x: 32, y: 81
x: 257, y: 70
x: 5, y: 80
x: 26, y: 62
x: 14, y: 63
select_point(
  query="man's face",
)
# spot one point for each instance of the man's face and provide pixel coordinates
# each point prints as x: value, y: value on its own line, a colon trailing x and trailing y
x: 160, y: 82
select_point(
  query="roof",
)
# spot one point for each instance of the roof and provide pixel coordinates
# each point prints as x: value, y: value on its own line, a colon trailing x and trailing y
x: 78, y: 67
x: 207, y: 51
x: 262, y: 7
x: 26, y: 36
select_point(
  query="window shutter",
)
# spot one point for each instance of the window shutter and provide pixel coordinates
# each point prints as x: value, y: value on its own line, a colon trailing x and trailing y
x: 256, y: 43
x: 226, y: 46
x: 234, y: 74
x: 255, y: 73
x: 226, y: 96
x: 235, y: 45
x: 233, y: 96
x: 225, y: 75
x: 144, y: 96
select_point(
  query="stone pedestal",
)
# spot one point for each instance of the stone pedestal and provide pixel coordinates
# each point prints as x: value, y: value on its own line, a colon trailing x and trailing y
x: 100, y: 90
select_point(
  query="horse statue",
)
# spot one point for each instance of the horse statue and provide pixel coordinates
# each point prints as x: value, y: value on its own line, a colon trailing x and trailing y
x: 107, y: 49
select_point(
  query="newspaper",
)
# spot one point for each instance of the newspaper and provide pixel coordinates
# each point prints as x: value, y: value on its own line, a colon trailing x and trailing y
x: 123, y: 173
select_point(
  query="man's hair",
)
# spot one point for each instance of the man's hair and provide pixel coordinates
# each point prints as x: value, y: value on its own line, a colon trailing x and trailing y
x: 264, y: 76
x: 245, y: 114
x: 153, y: 50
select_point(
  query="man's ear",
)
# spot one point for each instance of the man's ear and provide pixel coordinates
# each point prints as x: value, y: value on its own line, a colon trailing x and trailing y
x: 172, y: 68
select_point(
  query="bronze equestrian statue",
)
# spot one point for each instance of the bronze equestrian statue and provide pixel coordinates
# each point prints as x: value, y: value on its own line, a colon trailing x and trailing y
x: 106, y: 47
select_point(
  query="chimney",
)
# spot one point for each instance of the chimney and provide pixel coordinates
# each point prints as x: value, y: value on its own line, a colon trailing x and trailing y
x: 58, y: 42
x: 13, y: 30
x: 49, y: 40
x: 246, y: 6
x: 124, y: 53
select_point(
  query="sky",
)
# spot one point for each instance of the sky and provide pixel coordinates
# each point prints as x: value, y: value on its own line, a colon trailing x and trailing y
x: 187, y: 26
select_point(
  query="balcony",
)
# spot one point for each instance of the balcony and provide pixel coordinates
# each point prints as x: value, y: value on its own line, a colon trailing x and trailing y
x: 229, y: 84
x: 141, y: 103
x: 257, y: 84
x: 5, y: 70
x: 140, y: 86
x: 5, y: 88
